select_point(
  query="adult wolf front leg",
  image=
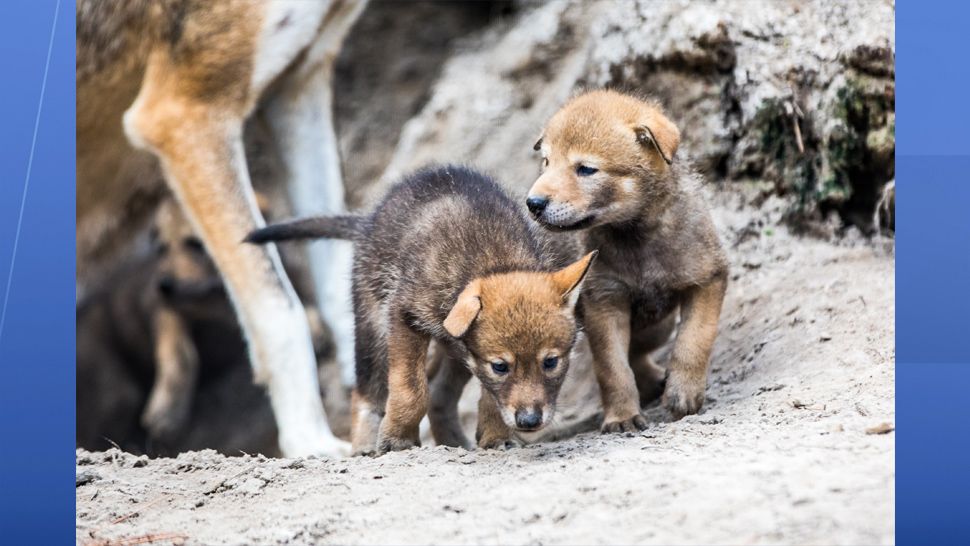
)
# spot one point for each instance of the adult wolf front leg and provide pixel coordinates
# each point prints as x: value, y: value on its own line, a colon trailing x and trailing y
x: 190, y: 112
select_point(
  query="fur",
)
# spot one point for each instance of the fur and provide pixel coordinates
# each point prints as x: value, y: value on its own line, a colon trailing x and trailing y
x: 611, y: 173
x: 161, y: 324
x: 171, y: 84
x: 448, y: 257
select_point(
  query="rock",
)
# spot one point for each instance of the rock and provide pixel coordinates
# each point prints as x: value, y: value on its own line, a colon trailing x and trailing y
x: 798, y: 95
x: 882, y: 428
x: 84, y: 477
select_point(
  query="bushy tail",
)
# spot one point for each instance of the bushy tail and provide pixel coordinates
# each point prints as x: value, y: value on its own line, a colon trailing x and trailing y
x: 346, y: 226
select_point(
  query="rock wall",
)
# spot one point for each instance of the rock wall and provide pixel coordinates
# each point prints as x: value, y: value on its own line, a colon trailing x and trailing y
x: 796, y: 99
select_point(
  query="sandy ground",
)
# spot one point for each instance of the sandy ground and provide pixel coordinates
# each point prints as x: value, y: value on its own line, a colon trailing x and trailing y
x: 788, y: 448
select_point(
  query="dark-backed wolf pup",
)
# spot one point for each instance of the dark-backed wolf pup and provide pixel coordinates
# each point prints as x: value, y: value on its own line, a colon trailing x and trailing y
x: 448, y: 257
x: 164, y: 321
x: 609, y: 168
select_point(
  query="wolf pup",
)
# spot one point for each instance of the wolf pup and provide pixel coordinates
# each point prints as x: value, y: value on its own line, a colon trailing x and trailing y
x: 448, y: 257
x: 609, y: 169
x: 166, y: 318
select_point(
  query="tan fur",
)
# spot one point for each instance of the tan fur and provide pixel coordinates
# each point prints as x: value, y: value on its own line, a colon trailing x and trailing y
x: 462, y: 315
x: 176, y: 372
x: 700, y: 311
x: 610, y: 168
x: 502, y: 295
x: 492, y: 432
x: 608, y: 329
x: 407, y: 389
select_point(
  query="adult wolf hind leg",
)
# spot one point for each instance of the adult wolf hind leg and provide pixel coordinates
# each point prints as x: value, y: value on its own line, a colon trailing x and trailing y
x: 191, y: 118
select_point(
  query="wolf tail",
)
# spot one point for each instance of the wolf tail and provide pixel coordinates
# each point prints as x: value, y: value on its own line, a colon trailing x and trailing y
x: 345, y: 226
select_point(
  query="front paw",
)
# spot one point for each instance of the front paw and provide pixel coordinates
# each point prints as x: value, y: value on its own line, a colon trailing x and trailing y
x: 386, y: 444
x: 684, y: 395
x: 630, y: 423
x: 165, y: 421
x: 503, y: 444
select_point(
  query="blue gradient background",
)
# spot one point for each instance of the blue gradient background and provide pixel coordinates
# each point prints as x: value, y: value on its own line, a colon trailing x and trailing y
x: 933, y: 275
x: 37, y: 347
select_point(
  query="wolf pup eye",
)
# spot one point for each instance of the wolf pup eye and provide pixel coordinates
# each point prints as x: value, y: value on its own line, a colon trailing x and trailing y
x: 583, y: 170
x: 194, y: 244
x: 500, y: 367
x: 550, y: 363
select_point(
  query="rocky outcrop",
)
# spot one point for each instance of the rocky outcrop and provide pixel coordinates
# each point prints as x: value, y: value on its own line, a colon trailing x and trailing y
x: 796, y: 99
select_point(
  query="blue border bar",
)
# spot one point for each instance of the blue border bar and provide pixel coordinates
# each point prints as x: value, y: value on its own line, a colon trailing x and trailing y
x: 37, y: 343
x: 932, y: 273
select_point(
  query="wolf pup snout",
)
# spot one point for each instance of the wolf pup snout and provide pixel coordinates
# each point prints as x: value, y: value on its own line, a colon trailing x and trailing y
x: 448, y: 258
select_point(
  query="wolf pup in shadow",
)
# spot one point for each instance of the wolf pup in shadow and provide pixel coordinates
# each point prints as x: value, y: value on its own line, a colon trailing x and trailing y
x: 448, y: 257
x: 163, y: 325
x: 609, y: 169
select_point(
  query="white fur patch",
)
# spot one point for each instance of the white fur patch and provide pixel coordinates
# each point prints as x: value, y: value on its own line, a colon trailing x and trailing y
x: 508, y: 415
x: 130, y: 127
x: 280, y: 340
x: 289, y: 26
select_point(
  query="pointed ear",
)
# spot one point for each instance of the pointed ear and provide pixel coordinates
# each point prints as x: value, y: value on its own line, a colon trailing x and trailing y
x: 465, y: 310
x: 569, y: 278
x: 659, y: 133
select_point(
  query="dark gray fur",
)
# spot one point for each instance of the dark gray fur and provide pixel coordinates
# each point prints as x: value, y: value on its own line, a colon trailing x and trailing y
x: 434, y: 231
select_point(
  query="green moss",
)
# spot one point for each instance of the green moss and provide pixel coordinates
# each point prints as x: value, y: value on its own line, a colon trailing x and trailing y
x: 846, y: 150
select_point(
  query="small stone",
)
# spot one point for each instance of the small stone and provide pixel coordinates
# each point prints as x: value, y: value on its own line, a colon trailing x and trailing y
x: 85, y: 477
x: 882, y: 428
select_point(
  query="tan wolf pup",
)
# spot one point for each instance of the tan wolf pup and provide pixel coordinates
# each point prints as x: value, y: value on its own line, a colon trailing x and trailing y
x: 609, y: 169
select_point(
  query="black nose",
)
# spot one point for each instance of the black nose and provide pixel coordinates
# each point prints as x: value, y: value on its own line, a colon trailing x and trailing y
x: 537, y: 204
x: 166, y: 285
x: 528, y: 419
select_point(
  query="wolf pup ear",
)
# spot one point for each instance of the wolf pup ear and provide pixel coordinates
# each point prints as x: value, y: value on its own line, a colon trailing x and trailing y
x: 465, y: 311
x: 659, y: 133
x: 569, y: 278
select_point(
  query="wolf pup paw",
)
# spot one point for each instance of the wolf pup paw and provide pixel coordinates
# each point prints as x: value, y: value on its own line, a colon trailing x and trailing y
x: 165, y: 421
x: 503, y: 444
x: 631, y: 424
x: 389, y: 443
x: 683, y: 395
